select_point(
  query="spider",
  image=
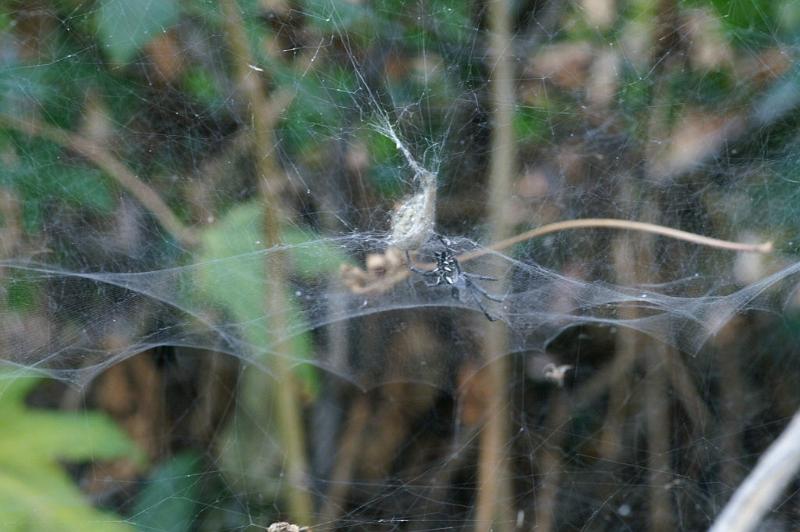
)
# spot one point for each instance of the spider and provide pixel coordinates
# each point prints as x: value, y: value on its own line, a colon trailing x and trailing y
x: 448, y: 271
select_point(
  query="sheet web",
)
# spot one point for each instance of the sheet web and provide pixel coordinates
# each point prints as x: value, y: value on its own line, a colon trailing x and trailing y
x: 208, y: 211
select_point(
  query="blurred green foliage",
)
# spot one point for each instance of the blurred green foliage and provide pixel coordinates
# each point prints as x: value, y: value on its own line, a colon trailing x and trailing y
x: 20, y: 293
x: 124, y: 26
x: 36, y: 494
x: 45, y: 180
x: 747, y: 16
x: 530, y: 123
x: 169, y: 500
x: 242, y: 289
x: 91, y: 53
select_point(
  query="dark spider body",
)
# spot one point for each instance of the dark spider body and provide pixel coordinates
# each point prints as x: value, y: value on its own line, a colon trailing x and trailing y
x: 448, y: 271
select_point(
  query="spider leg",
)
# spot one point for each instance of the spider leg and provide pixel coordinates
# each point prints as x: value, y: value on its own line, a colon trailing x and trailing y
x: 477, y: 301
x: 421, y: 272
x: 426, y: 273
x: 414, y: 268
x: 480, y: 277
x: 473, y: 285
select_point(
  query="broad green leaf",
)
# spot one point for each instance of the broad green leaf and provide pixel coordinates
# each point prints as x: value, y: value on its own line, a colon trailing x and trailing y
x: 124, y: 26
x: 71, y: 436
x: 13, y: 389
x: 233, y: 273
x: 241, y: 286
x: 35, y: 491
x: 40, y: 497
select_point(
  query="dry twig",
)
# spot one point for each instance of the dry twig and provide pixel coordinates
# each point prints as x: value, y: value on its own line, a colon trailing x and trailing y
x: 776, y: 468
x: 112, y: 166
x: 264, y: 113
x: 492, y: 510
x: 369, y: 282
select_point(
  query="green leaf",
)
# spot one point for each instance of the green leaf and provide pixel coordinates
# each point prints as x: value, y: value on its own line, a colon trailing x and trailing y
x: 199, y: 83
x: 41, y: 178
x: 169, y: 501
x: 530, y: 123
x: 13, y: 389
x: 310, y: 256
x: 85, y: 187
x: 69, y: 436
x: 5, y: 21
x: 232, y: 273
x: 124, y: 26
x: 452, y: 21
x: 789, y: 16
x: 240, y: 285
x: 44, y: 498
x: 20, y: 293
x: 338, y: 16
x: 314, y: 113
x: 35, y: 491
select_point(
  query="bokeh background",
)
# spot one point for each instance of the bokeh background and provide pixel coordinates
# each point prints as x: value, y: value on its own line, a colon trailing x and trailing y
x: 185, y: 137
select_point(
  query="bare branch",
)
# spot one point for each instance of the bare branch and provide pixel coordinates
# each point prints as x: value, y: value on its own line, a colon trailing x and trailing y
x: 106, y: 161
x: 756, y: 495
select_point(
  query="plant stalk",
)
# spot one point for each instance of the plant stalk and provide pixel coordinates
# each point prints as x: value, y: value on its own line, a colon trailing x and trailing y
x: 263, y: 117
x: 493, y: 509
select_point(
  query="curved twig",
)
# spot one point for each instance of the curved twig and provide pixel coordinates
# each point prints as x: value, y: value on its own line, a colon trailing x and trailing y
x: 112, y: 166
x: 612, y: 223
x: 381, y: 284
x: 776, y: 468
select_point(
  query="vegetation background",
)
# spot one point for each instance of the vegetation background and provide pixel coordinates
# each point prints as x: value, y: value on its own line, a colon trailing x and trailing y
x: 141, y: 134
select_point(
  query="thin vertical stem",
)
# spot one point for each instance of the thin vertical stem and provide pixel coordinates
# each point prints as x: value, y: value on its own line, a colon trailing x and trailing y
x: 733, y: 401
x: 492, y: 511
x: 550, y: 464
x: 349, y: 447
x: 270, y: 179
x: 612, y: 438
x: 657, y: 406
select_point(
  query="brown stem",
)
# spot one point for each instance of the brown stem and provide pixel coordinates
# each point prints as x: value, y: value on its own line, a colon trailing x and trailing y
x: 628, y: 347
x: 384, y: 283
x: 112, y: 166
x: 264, y: 113
x: 550, y: 464
x: 492, y: 506
x: 612, y: 223
x: 733, y: 400
x: 349, y: 447
x: 657, y: 414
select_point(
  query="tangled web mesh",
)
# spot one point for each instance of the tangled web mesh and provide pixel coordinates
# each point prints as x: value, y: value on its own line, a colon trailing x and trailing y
x: 208, y: 211
x: 539, y: 305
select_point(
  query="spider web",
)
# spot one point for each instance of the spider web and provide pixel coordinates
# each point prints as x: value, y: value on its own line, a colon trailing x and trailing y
x: 142, y: 169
